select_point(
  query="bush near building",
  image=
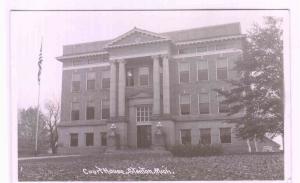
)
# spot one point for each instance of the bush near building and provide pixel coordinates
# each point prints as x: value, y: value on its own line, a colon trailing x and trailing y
x: 196, y: 150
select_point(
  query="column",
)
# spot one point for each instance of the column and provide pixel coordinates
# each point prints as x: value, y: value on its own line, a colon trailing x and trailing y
x: 156, y: 86
x: 166, y: 85
x: 122, y: 84
x: 113, y: 89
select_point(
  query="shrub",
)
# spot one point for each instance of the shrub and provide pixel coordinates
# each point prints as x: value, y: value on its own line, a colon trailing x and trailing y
x: 196, y: 150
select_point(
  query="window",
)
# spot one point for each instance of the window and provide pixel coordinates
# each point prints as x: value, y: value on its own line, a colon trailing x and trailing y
x: 204, y: 103
x: 221, y: 47
x: 103, y: 138
x: 91, y: 81
x: 143, y: 113
x: 90, y: 111
x: 105, y: 79
x: 186, y: 50
x: 222, y: 72
x: 105, y: 109
x: 205, y: 136
x: 225, y: 135
x: 75, y: 111
x: 185, y: 135
x: 201, y: 49
x: 223, y: 108
x: 144, y: 76
x: 76, y: 62
x: 184, y: 72
x: 92, y: 61
x: 75, y: 83
x: 202, y: 70
x: 89, y: 139
x: 129, y: 77
x: 185, y: 104
x: 74, y: 139
x: 211, y: 48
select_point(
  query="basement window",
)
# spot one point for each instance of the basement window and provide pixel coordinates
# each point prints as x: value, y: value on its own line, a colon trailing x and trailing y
x: 225, y: 135
x: 205, y: 136
x: 89, y: 139
x: 103, y: 138
x: 186, y: 137
x: 74, y: 139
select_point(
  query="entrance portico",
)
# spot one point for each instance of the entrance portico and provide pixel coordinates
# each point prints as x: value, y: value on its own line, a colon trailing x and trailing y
x: 123, y: 51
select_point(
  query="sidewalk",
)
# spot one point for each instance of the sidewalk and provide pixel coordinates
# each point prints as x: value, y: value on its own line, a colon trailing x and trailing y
x: 46, y: 157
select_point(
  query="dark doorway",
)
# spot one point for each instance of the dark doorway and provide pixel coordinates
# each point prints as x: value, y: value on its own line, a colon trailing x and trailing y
x: 144, y: 136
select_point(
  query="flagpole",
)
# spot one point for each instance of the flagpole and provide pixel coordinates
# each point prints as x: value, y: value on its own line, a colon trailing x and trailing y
x: 38, y: 103
x: 37, y: 121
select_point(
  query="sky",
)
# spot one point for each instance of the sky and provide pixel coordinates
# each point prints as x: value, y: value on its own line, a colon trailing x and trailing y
x: 28, y: 29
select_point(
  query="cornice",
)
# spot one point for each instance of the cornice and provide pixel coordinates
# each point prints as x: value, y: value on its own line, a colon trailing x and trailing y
x: 217, y: 52
x: 137, y: 44
x: 92, y: 54
x: 183, y: 43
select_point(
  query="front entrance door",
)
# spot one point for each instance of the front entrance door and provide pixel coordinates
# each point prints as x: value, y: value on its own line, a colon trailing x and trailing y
x: 144, y: 136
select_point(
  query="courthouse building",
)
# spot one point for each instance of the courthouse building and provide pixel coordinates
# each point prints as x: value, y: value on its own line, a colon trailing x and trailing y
x: 144, y: 84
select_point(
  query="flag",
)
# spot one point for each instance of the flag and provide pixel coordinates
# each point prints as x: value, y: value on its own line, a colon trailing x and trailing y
x: 40, y: 63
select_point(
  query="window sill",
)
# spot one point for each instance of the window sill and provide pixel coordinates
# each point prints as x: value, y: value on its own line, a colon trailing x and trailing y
x: 89, y: 146
x: 130, y: 86
x: 208, y: 114
x: 198, y: 81
x: 222, y: 79
x: 184, y: 83
x: 138, y: 87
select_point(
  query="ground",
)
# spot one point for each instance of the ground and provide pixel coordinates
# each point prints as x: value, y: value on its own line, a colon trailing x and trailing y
x: 225, y: 167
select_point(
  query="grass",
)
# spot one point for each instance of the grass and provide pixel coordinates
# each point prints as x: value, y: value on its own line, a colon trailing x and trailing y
x: 226, y: 167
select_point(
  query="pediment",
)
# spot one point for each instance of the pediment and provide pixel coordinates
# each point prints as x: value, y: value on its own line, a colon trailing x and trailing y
x: 136, y: 36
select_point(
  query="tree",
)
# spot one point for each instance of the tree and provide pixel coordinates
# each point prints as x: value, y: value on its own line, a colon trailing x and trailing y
x: 51, y: 120
x: 258, y: 94
x: 26, y: 131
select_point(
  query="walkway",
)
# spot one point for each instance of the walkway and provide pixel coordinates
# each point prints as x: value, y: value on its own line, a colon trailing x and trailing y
x: 46, y: 157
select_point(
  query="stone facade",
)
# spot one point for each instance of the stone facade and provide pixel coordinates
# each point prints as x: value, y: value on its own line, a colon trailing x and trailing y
x: 146, y: 95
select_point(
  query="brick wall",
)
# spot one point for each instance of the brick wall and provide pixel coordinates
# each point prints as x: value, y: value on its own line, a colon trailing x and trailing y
x: 83, y: 96
x: 194, y: 87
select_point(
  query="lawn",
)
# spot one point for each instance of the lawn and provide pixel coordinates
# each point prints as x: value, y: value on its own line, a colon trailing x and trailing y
x: 113, y: 166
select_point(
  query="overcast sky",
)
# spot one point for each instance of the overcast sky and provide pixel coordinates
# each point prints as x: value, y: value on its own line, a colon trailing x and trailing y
x: 60, y: 28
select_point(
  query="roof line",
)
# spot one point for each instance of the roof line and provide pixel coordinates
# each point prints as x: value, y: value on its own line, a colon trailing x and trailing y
x: 205, y: 27
x: 182, y: 30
